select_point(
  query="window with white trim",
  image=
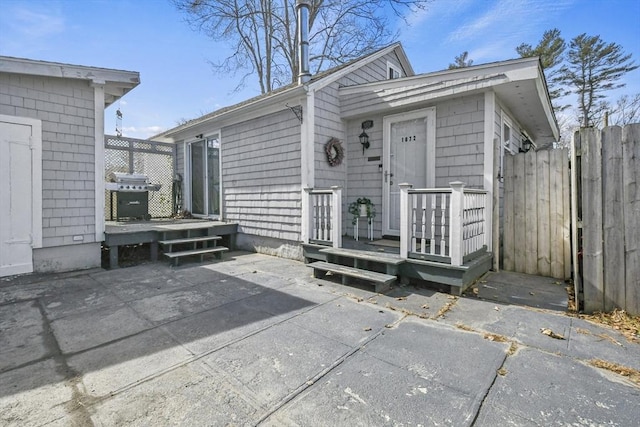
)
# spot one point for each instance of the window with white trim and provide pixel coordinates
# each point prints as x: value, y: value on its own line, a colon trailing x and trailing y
x: 507, y: 144
x: 393, y: 72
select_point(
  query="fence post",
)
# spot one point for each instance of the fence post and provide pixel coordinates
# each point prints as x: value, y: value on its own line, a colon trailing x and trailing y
x: 336, y: 216
x: 405, y: 209
x: 305, y: 226
x: 455, y: 222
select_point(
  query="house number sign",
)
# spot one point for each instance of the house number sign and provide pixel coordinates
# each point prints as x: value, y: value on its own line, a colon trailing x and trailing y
x: 408, y: 138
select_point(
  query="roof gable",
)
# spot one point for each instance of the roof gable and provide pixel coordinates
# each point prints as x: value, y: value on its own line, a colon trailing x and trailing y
x: 276, y: 100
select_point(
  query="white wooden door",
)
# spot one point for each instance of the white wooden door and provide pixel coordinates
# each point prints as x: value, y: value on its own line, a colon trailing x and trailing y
x: 17, y: 175
x: 409, y: 157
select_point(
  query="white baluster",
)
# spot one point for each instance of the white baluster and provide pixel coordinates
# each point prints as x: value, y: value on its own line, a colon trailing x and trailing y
x: 443, y: 226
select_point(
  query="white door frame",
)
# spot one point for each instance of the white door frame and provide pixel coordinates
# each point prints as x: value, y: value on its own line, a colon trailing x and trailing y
x: 430, y: 115
x: 187, y: 199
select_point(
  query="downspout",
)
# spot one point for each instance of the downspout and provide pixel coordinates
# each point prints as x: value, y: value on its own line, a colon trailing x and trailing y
x: 98, y: 108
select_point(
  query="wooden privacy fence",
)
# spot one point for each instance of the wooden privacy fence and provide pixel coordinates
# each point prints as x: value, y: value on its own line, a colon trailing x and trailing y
x: 536, y: 221
x: 607, y: 217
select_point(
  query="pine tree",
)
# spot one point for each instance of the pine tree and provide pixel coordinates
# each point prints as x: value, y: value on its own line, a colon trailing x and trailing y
x: 594, y: 68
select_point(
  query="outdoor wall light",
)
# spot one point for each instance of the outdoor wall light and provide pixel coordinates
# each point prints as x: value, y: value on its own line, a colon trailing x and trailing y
x: 526, y: 146
x: 364, y: 138
x: 199, y: 136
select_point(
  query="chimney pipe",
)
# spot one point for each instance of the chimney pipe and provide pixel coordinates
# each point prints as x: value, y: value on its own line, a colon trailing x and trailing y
x: 302, y: 9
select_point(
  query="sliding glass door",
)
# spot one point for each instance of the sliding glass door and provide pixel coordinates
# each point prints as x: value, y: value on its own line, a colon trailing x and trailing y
x: 204, y: 162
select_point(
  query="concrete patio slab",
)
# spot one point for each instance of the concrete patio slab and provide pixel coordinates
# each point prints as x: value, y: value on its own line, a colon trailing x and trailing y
x: 188, y: 395
x: 110, y: 368
x: 367, y: 391
x: 272, y: 373
x: 255, y: 340
x: 547, y: 389
x: 35, y: 395
x: 89, y: 329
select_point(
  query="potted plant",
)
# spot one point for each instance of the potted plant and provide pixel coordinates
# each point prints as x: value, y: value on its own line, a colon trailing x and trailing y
x: 360, y: 208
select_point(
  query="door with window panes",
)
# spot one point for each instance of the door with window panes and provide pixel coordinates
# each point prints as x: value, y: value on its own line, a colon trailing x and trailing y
x: 204, y: 162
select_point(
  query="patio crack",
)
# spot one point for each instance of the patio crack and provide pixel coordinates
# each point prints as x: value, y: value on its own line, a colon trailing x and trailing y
x: 349, y: 354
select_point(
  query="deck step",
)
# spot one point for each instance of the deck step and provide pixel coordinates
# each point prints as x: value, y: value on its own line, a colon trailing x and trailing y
x: 218, y: 250
x: 189, y: 240
x: 382, y: 282
x: 381, y: 258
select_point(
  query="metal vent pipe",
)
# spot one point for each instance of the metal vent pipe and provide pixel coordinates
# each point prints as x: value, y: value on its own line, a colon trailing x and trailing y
x: 302, y: 9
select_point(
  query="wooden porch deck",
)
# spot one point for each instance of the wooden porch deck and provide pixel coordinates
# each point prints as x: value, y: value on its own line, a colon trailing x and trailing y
x: 383, y: 253
x: 139, y: 232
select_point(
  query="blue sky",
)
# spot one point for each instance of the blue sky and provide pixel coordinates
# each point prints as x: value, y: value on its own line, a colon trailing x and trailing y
x: 151, y: 37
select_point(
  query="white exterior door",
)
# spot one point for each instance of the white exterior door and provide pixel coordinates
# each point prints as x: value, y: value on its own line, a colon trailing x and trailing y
x: 20, y: 184
x: 409, y: 157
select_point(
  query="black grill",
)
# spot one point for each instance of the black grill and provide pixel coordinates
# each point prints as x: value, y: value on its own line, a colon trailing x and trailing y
x: 132, y: 192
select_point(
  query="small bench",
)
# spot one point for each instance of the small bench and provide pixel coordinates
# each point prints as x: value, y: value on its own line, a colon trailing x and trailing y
x: 217, y: 251
x: 382, y: 282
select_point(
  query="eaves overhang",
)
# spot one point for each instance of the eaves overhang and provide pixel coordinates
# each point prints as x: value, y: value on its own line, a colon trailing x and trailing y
x: 519, y: 85
x: 116, y: 82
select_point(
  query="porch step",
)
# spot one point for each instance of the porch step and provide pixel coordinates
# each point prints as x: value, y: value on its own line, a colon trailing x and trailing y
x: 217, y: 251
x: 382, y: 282
x: 389, y: 263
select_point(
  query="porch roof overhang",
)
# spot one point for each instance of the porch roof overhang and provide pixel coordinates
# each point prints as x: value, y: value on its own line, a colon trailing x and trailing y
x: 519, y: 85
x: 116, y: 82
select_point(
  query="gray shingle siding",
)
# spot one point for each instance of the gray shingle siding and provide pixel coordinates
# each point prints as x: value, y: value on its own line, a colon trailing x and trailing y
x: 66, y: 109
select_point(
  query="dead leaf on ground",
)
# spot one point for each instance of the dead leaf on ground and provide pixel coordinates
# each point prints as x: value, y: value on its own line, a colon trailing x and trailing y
x: 502, y: 372
x: 388, y: 326
x: 401, y: 298
x: 496, y: 308
x: 548, y: 332
x: 425, y: 306
x: 632, y: 374
x: 495, y: 337
x: 367, y: 329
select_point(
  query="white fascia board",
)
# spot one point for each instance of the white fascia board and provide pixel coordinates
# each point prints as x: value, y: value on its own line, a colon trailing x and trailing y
x: 519, y: 69
x: 323, y: 82
x: 116, y: 82
x: 68, y: 71
x: 242, y: 113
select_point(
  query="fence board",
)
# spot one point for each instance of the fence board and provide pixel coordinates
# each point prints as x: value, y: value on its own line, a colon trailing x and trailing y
x: 566, y: 221
x: 519, y: 212
x: 543, y: 205
x: 592, y: 277
x: 531, y: 220
x: 631, y: 207
x: 612, y: 219
x: 509, y: 219
x: 556, y: 214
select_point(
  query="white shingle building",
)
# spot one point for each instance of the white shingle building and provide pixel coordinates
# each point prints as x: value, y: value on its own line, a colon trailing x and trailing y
x: 52, y: 162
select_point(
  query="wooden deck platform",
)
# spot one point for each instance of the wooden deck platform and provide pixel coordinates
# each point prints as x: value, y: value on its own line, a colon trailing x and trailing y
x: 138, y: 232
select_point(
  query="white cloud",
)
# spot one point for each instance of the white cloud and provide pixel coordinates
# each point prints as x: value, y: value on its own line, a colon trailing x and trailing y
x: 36, y: 24
x: 438, y: 10
x: 143, y: 132
x: 506, y: 24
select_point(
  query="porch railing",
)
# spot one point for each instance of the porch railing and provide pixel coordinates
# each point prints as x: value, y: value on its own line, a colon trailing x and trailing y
x: 324, y: 221
x: 444, y: 224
